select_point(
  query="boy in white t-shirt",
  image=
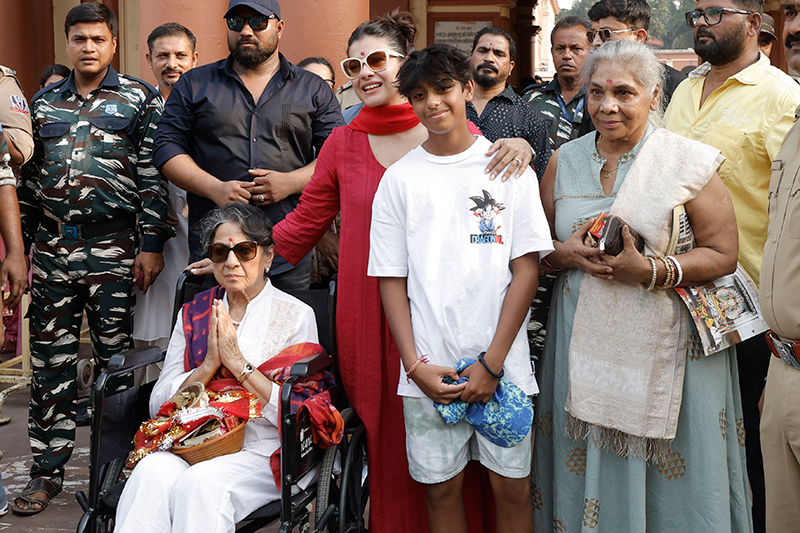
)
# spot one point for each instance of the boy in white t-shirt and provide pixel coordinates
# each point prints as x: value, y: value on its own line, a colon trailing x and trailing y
x: 458, y: 257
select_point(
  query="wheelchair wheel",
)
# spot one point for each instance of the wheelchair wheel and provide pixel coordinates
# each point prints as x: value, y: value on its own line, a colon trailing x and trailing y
x: 349, y: 489
x: 327, y: 488
x: 354, y: 493
x: 112, y: 475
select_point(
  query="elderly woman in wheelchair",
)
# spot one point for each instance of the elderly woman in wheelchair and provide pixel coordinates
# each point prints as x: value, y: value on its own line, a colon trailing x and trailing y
x: 247, y: 322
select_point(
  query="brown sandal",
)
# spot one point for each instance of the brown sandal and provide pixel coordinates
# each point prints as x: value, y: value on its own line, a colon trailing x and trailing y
x: 51, y: 487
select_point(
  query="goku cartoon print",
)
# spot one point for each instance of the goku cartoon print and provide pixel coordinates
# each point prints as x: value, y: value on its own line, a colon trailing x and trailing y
x: 487, y: 211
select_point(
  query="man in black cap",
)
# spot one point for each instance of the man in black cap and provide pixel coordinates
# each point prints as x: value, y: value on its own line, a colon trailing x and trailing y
x: 247, y: 128
x: 767, y: 37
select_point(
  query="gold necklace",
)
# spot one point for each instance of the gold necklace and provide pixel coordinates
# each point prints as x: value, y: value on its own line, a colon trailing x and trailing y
x: 603, y: 168
x: 608, y: 172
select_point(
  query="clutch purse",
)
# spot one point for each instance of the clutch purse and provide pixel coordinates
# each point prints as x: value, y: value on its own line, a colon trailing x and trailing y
x: 607, y: 234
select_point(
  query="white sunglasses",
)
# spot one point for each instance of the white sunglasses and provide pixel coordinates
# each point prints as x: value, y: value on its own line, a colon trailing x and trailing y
x: 376, y: 61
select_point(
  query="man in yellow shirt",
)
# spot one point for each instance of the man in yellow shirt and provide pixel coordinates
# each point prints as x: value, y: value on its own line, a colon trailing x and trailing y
x: 737, y: 102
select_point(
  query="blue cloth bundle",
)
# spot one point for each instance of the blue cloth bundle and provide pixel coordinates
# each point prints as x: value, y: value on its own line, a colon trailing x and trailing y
x: 504, y: 420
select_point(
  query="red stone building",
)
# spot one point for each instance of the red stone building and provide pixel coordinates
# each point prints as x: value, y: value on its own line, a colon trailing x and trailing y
x: 33, y: 35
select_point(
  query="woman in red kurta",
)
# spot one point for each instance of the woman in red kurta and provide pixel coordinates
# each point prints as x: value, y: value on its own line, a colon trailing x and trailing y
x: 349, y: 168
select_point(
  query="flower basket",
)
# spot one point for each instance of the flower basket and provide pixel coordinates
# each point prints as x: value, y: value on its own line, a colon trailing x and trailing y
x: 231, y: 442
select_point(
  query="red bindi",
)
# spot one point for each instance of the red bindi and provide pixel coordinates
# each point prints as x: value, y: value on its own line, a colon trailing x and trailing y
x: 230, y: 240
x: 362, y: 53
x: 610, y: 82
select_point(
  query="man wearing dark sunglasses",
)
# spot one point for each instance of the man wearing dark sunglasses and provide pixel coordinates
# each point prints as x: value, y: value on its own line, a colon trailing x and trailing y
x: 739, y: 103
x: 247, y: 128
x: 613, y: 20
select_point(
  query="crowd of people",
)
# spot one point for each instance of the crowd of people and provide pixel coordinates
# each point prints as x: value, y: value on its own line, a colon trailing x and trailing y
x: 460, y: 218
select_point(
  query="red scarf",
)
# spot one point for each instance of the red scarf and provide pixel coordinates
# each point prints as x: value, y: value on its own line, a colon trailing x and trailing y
x: 384, y: 120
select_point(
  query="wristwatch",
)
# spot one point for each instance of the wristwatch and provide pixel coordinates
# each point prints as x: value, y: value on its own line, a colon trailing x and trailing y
x: 246, y: 371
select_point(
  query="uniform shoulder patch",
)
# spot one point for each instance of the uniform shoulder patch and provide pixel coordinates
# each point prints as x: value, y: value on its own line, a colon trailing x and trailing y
x: 19, y: 104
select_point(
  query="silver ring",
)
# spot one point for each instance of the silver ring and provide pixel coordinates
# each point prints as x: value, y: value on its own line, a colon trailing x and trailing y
x: 260, y: 197
x: 519, y: 161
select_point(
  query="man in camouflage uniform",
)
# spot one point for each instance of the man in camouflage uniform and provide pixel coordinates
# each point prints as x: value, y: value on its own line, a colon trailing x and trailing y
x: 90, y: 176
x: 563, y: 100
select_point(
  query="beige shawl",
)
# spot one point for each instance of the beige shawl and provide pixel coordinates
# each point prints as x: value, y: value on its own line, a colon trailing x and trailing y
x: 628, y: 347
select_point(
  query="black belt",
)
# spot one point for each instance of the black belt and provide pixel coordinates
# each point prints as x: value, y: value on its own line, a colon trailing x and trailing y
x: 84, y: 232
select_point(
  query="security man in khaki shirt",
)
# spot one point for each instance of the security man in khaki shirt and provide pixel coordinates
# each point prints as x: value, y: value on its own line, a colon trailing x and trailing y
x: 780, y: 304
x: 15, y: 116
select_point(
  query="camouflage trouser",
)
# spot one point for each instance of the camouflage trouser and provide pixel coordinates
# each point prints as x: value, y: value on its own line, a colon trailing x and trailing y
x: 68, y: 276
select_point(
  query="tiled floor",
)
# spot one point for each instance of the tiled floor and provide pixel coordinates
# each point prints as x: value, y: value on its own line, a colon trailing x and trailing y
x: 63, y: 512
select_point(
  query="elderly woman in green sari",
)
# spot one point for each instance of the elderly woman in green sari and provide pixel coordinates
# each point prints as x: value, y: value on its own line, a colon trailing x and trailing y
x: 637, y: 429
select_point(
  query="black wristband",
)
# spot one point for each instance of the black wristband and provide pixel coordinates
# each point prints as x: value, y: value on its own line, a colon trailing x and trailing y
x: 489, y: 370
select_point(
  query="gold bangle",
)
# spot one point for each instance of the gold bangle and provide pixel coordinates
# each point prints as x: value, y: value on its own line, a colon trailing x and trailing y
x: 670, y: 277
x: 677, y: 265
x: 671, y: 281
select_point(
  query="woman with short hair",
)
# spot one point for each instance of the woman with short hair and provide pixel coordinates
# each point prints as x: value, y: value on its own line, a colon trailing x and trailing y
x: 246, y: 322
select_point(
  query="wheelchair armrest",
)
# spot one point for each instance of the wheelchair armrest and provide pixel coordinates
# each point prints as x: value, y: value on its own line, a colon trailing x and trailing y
x: 301, y: 369
x: 311, y: 365
x: 135, y: 358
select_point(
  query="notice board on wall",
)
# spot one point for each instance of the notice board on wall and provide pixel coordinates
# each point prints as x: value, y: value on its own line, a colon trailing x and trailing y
x: 458, y: 33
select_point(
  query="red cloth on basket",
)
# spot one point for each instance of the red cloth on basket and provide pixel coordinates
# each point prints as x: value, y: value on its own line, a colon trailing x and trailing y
x: 346, y: 178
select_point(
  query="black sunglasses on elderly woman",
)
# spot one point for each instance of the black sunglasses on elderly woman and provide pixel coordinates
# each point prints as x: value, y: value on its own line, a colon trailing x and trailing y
x: 245, y: 251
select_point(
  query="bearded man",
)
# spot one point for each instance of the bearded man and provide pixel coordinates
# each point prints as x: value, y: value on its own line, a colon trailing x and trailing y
x: 495, y: 108
x: 739, y: 103
x: 246, y: 129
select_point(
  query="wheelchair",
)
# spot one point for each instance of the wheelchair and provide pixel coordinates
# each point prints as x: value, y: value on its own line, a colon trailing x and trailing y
x: 341, y: 492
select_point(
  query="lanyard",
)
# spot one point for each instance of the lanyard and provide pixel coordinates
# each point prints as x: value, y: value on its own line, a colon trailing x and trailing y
x: 564, y: 111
